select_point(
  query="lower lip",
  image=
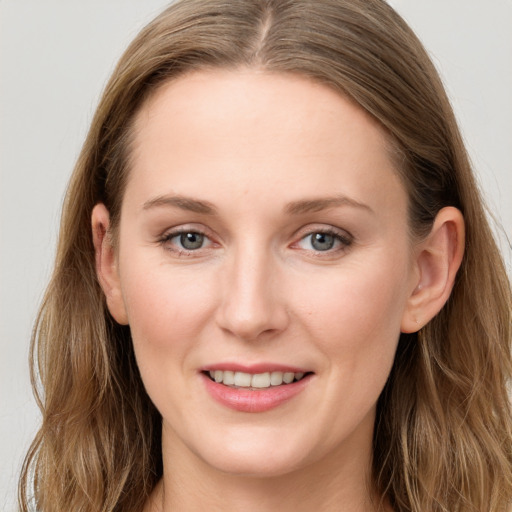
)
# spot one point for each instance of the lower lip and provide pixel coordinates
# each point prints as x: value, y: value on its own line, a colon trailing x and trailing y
x: 254, y: 400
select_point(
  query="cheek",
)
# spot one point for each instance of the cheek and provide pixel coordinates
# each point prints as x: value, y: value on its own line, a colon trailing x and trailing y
x: 165, y: 307
x: 355, y: 314
x: 166, y: 312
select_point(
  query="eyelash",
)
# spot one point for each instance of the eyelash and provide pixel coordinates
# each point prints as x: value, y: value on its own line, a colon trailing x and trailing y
x: 181, y: 251
x: 344, y: 241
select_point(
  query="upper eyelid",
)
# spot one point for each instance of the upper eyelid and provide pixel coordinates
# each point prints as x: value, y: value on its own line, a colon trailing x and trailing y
x: 185, y: 228
x: 173, y: 234
x: 170, y: 233
x: 329, y: 229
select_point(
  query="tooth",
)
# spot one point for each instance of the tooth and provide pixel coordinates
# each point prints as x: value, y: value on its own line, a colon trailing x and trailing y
x: 260, y: 380
x: 288, y: 377
x: 276, y: 378
x: 243, y: 379
x: 229, y: 378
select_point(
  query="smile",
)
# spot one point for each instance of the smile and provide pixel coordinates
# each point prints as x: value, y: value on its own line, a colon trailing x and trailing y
x: 254, y: 380
x: 256, y: 390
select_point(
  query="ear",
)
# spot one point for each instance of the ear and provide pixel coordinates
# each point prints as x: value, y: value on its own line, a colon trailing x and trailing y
x: 437, y: 259
x: 106, y: 263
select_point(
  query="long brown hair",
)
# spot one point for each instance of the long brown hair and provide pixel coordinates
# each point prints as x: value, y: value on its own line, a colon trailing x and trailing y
x: 443, y: 435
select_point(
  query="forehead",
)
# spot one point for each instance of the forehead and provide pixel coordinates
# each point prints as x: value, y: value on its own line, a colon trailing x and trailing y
x: 227, y: 132
x: 271, y: 102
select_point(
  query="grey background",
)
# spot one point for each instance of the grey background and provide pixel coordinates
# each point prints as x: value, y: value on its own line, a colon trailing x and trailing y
x: 55, y: 57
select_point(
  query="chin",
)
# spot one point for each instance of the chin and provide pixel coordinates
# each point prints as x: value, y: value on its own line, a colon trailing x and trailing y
x: 253, y: 456
x: 254, y: 465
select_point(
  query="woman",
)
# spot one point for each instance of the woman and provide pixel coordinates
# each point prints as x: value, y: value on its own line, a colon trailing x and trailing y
x: 274, y: 288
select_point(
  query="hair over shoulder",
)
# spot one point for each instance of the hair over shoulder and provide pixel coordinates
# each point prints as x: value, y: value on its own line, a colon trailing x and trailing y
x: 443, y: 435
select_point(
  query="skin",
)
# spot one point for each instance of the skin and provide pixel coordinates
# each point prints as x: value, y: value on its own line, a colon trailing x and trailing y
x: 258, y: 148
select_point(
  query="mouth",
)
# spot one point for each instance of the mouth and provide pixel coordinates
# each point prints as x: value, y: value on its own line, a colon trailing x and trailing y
x: 255, y: 388
x: 254, y: 381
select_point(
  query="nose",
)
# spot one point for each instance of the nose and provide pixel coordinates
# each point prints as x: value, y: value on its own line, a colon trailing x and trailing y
x: 253, y: 304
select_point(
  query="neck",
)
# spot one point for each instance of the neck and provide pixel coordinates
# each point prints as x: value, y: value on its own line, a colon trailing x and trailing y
x: 337, y: 482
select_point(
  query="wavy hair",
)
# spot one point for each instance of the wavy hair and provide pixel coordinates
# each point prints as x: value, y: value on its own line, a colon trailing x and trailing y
x: 443, y: 434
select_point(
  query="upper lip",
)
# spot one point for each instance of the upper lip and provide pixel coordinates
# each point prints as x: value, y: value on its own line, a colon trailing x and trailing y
x: 254, y: 368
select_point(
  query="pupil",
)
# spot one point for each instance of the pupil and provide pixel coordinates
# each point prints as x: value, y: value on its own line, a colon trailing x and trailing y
x: 322, y: 241
x: 191, y: 241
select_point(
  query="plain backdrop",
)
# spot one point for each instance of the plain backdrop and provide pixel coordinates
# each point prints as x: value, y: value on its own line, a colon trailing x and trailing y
x: 55, y: 57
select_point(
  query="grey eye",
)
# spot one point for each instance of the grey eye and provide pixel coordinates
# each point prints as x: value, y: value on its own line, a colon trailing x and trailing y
x: 322, y: 241
x: 191, y: 241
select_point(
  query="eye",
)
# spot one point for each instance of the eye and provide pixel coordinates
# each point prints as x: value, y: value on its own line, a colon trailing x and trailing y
x: 324, y: 241
x: 185, y: 241
x: 190, y: 241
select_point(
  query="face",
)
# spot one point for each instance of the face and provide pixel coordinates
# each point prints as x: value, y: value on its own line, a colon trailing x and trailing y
x: 264, y: 267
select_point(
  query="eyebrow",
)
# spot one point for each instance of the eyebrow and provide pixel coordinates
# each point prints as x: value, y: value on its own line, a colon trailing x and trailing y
x: 316, y: 205
x: 184, y: 203
x: 293, y: 208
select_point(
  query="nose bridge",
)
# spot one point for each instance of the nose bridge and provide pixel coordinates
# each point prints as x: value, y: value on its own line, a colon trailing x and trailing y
x: 252, y: 303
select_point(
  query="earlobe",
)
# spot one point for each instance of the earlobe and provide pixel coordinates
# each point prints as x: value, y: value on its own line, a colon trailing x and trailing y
x: 438, y: 258
x: 106, y: 263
